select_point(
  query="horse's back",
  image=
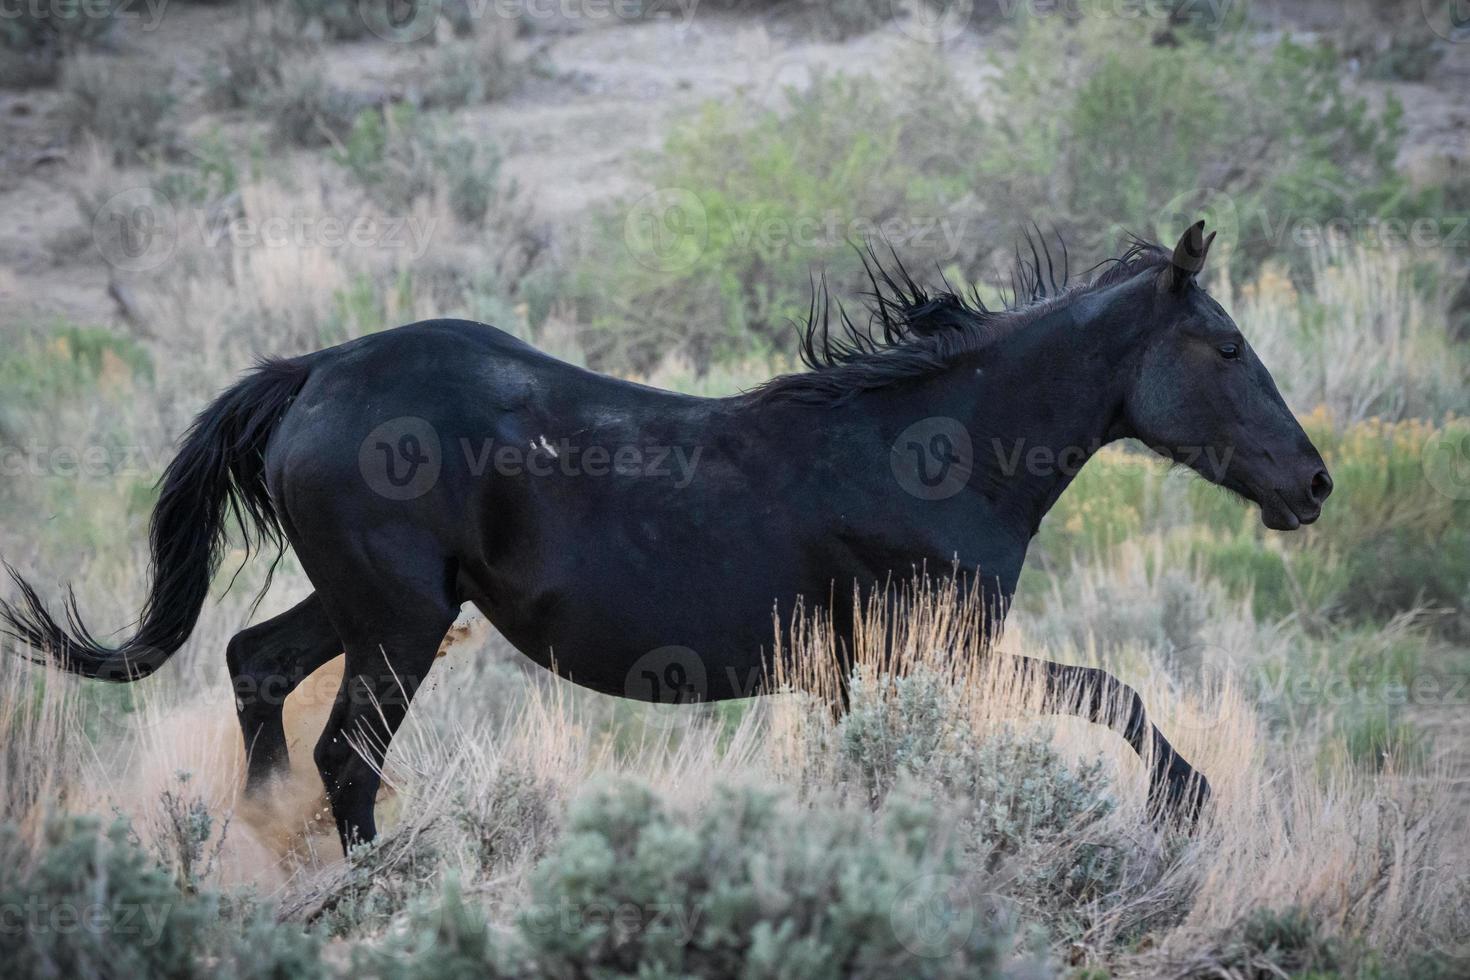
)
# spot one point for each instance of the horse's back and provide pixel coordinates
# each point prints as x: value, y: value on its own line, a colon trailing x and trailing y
x: 441, y: 397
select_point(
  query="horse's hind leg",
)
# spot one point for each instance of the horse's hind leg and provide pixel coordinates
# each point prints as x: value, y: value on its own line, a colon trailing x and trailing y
x: 392, y: 631
x: 267, y: 662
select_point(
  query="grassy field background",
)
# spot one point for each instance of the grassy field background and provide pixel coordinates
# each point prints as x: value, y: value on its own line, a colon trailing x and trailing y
x: 647, y: 188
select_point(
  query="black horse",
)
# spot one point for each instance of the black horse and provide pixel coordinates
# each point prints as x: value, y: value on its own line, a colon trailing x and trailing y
x: 637, y: 541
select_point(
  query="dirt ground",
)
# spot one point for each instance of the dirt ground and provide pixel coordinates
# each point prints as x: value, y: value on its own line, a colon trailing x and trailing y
x: 599, y: 101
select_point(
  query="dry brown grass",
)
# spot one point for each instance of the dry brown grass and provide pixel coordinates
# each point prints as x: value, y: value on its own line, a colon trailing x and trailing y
x: 1373, y: 857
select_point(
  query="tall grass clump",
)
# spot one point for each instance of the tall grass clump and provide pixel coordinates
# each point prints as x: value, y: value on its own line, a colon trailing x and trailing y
x: 995, y: 838
x: 1366, y: 336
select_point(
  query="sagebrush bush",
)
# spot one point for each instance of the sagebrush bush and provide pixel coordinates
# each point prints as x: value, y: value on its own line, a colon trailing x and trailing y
x: 717, y: 261
x: 98, y: 907
x: 35, y: 38
x: 445, y: 937
x: 266, y: 949
x: 1267, y: 943
x: 516, y: 816
x: 183, y: 832
x: 304, y: 108
x: 128, y: 106
x: 898, y: 727
x: 1026, y: 814
x: 340, y: 20
x: 383, y: 877
x: 752, y: 886
x: 400, y: 155
x: 482, y: 67
x: 1147, y: 137
x: 235, y: 72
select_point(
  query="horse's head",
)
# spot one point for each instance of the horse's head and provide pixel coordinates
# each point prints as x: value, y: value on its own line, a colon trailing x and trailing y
x: 1201, y: 396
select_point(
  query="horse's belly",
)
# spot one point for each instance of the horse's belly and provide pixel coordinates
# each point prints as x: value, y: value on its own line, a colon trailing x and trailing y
x: 645, y: 640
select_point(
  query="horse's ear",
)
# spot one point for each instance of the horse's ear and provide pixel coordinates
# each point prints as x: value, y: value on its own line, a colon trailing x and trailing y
x: 1189, y: 256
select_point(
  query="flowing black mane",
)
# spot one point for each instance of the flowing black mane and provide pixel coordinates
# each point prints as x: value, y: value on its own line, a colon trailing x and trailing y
x: 911, y: 331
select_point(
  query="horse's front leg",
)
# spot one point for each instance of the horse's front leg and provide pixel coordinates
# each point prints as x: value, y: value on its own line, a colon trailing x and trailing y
x: 1094, y: 694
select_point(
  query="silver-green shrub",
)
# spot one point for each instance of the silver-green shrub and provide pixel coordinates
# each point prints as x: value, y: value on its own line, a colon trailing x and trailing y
x: 754, y: 886
x: 91, y: 904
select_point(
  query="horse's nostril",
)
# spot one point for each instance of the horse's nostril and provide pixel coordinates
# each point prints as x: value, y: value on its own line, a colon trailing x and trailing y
x: 1321, y: 486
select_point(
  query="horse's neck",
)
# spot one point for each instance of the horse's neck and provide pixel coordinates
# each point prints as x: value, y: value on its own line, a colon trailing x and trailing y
x: 1041, y: 404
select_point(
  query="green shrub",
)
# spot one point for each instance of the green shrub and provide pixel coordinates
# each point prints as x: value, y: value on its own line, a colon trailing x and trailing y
x: 481, y: 68
x: 400, y: 155
x: 716, y: 262
x: 304, y: 108
x: 1394, y: 537
x: 1400, y: 517
x: 446, y: 938
x: 1151, y: 135
x: 1267, y: 943
x: 340, y: 20
x: 513, y: 818
x: 269, y: 950
x: 1028, y: 816
x: 35, y: 38
x: 1375, y: 735
x: 383, y: 877
x: 96, y: 906
x: 52, y: 363
x: 127, y: 106
x: 755, y: 887
x: 898, y: 727
x: 186, y: 826
x: 235, y: 72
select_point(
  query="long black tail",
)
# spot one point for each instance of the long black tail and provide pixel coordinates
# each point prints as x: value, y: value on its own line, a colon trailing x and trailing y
x: 218, y: 473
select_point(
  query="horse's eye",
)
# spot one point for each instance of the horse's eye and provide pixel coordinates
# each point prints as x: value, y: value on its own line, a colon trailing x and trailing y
x: 1229, y: 351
